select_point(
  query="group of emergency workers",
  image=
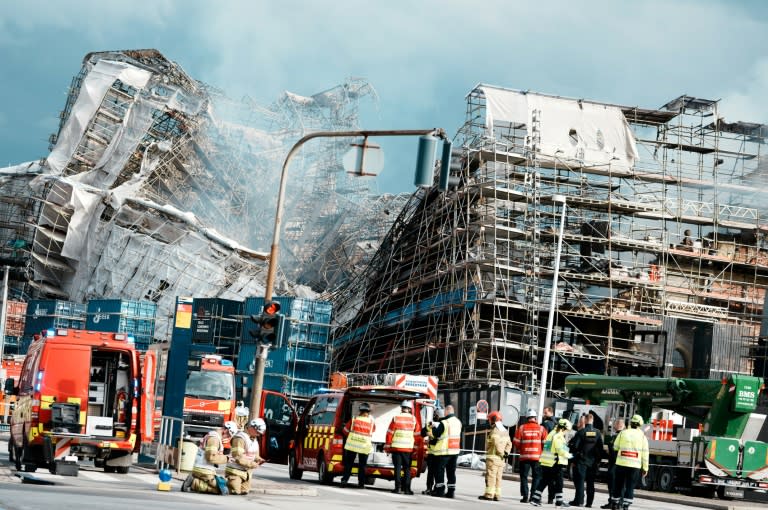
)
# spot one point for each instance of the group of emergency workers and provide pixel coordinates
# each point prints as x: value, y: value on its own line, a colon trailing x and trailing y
x: 545, y: 450
x: 243, y: 458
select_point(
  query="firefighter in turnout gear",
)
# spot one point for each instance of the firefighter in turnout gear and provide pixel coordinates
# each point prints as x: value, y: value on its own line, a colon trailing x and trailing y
x: 631, y: 447
x: 399, y: 442
x: 554, y: 458
x: 447, y: 452
x: 209, y: 456
x: 358, y: 444
x: 244, y: 457
x: 586, y: 448
x: 428, y: 434
x: 497, y: 448
x: 528, y: 442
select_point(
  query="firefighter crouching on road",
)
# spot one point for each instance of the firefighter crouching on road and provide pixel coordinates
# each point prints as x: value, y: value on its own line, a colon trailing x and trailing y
x: 528, y: 442
x: 447, y: 450
x: 399, y: 442
x: 244, y: 457
x: 358, y: 444
x: 497, y: 448
x: 428, y: 434
x: 631, y: 447
x: 209, y: 456
x: 554, y: 458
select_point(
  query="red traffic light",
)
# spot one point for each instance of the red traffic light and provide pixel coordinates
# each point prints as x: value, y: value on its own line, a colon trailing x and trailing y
x: 271, y: 308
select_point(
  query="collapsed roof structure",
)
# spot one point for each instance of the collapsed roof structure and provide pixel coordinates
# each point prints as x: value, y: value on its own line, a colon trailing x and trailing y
x: 662, y: 267
x: 159, y: 186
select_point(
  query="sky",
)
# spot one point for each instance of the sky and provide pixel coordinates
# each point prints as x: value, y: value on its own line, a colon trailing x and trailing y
x: 421, y: 56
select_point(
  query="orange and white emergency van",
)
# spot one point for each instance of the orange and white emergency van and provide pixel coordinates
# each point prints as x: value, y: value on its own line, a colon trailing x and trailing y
x: 319, y: 440
x: 82, y: 395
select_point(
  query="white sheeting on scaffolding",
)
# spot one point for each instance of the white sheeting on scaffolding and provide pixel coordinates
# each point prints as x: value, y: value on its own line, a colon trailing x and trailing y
x: 92, y: 93
x: 570, y: 131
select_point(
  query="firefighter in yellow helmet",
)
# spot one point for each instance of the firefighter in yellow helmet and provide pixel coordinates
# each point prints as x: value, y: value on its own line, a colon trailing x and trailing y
x: 554, y: 457
x: 497, y: 448
x: 210, y: 455
x: 631, y: 448
x: 244, y: 456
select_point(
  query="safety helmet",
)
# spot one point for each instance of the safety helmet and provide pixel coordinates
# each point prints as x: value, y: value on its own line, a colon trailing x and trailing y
x: 531, y: 413
x: 637, y: 420
x: 258, y: 424
x: 439, y: 412
x: 563, y: 423
x: 365, y: 407
x: 231, y: 427
x: 406, y: 404
x: 494, y: 416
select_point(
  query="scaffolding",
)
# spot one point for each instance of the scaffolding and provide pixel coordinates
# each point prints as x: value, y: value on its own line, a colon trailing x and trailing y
x: 158, y: 185
x: 664, y: 262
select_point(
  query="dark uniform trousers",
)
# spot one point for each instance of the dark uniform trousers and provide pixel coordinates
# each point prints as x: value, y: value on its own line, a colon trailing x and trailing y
x: 348, y: 460
x: 446, y: 468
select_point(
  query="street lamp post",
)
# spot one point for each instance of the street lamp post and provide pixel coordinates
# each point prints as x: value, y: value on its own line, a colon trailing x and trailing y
x: 261, y: 356
x: 558, y: 199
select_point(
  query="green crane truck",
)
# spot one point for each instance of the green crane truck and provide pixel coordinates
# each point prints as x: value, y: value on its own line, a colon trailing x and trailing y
x: 723, y: 455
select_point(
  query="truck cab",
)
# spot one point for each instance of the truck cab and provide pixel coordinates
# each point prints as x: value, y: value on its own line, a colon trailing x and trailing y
x: 209, y: 396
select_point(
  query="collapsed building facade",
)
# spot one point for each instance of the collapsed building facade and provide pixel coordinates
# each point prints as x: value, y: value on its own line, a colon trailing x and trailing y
x: 159, y: 186
x: 663, y: 260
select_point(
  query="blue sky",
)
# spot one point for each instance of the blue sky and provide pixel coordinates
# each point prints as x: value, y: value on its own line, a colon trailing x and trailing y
x: 422, y: 56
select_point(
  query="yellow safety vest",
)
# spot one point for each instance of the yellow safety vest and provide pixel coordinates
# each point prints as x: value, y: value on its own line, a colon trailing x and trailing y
x: 555, y: 450
x: 430, y: 438
x: 400, y: 433
x: 359, y: 438
x: 441, y: 445
x: 453, y: 425
x: 631, y: 447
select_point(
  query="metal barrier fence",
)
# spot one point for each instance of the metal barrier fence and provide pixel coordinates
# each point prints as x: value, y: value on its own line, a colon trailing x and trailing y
x: 167, y: 454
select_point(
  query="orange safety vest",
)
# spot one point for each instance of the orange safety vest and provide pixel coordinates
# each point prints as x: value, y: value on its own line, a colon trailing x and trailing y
x: 360, y: 430
x: 400, y: 434
x: 453, y: 425
x: 529, y: 439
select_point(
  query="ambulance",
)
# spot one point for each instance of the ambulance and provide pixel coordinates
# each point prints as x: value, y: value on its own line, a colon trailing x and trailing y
x: 82, y: 395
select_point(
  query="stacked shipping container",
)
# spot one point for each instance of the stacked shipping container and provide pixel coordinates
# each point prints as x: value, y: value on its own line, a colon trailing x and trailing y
x: 135, y: 318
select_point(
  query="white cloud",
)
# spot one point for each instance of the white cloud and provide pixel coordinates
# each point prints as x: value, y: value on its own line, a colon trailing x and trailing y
x: 748, y: 101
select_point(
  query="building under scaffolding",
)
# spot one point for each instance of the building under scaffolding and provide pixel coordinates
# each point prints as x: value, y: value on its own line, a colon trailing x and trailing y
x: 663, y: 268
x: 158, y: 185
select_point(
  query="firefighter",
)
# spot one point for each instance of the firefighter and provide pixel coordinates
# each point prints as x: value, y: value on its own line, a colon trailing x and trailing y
x: 587, y: 449
x: 244, y: 456
x: 241, y: 414
x: 399, y: 442
x: 447, y: 452
x: 631, y: 447
x: 358, y: 444
x: 210, y: 454
x: 554, y: 457
x: 497, y: 448
x: 428, y: 434
x: 528, y: 442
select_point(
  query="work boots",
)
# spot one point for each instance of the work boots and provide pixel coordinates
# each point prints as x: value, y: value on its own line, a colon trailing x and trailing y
x: 449, y: 494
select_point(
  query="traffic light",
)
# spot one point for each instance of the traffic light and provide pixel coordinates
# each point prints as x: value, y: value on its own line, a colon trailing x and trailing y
x: 266, y: 327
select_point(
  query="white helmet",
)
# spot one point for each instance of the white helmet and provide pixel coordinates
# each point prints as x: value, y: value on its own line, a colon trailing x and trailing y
x: 407, y: 404
x: 531, y: 413
x: 258, y: 424
x: 231, y: 427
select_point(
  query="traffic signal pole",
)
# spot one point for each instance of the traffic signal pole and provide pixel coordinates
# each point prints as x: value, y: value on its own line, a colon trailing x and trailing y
x: 261, y: 355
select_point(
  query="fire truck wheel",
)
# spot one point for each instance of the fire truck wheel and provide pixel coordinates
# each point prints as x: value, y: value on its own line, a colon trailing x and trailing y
x: 122, y: 469
x: 665, y: 480
x: 294, y: 473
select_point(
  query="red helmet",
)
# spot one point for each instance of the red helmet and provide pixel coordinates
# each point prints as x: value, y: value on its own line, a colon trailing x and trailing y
x: 494, y: 416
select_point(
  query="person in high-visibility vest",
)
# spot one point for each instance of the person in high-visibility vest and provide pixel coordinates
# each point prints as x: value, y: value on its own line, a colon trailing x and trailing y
x: 358, y: 444
x: 497, y: 448
x: 399, y: 442
x: 210, y: 455
x: 618, y: 426
x: 447, y: 452
x: 244, y: 456
x: 428, y: 434
x: 631, y: 447
x: 554, y: 457
x: 528, y: 442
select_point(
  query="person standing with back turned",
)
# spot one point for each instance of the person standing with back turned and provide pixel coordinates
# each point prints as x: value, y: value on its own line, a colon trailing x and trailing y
x: 497, y: 447
x: 358, y: 444
x: 587, y: 450
x: 528, y: 442
x: 449, y: 431
x: 399, y: 442
x: 632, y: 454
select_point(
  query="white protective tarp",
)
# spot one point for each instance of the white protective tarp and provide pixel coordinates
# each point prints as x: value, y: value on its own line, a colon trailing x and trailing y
x: 570, y: 131
x: 92, y: 93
